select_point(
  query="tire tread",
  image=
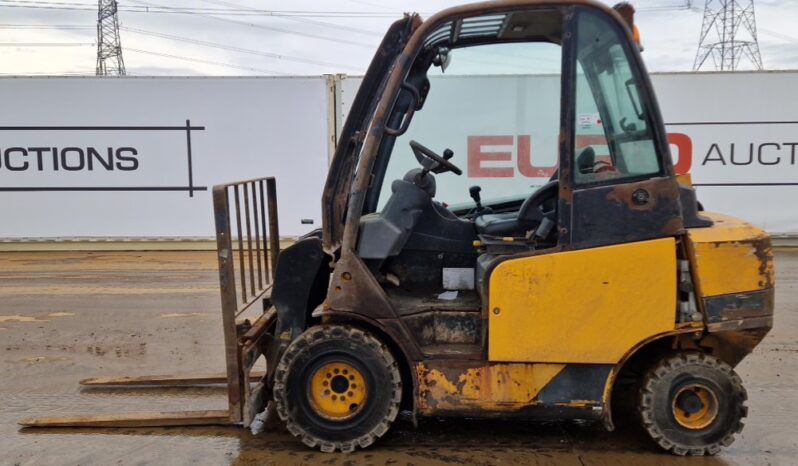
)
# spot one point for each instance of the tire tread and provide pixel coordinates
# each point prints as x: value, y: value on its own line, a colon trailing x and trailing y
x: 336, y: 332
x: 674, y: 363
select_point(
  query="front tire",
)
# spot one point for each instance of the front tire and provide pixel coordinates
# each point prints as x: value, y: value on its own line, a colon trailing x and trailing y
x: 692, y: 403
x: 337, y: 387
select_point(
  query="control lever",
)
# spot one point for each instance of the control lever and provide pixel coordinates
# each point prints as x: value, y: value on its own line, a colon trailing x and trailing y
x: 474, y: 192
x: 544, y: 229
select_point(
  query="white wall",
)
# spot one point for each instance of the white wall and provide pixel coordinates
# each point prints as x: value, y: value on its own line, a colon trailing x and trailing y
x: 757, y: 110
x: 251, y: 127
x: 281, y: 127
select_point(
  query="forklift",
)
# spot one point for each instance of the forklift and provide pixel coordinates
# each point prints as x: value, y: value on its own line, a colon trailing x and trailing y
x: 605, y: 285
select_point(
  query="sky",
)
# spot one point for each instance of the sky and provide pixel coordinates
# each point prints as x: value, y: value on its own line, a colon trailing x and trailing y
x: 305, y: 37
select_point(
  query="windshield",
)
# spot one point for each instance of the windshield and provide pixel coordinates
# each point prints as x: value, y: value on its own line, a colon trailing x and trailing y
x: 497, y: 107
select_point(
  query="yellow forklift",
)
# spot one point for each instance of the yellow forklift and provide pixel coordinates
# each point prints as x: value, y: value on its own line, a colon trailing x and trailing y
x: 603, y: 284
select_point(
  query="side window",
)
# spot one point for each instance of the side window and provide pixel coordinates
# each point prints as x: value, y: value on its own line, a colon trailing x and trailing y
x: 613, y: 139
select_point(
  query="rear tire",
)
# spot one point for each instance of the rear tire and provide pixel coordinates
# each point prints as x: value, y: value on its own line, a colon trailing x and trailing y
x: 692, y: 404
x: 337, y: 387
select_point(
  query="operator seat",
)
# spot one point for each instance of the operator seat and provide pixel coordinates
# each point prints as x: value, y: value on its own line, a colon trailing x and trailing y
x: 412, y: 219
x: 384, y: 234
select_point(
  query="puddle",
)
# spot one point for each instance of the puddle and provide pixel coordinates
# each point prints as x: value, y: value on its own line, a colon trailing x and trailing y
x: 183, y: 314
x: 36, y: 359
x: 19, y: 318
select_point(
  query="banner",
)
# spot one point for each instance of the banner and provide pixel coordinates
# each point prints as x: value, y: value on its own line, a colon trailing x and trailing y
x: 137, y: 157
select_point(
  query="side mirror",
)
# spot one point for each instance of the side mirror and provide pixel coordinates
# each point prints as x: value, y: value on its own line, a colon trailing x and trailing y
x: 442, y: 58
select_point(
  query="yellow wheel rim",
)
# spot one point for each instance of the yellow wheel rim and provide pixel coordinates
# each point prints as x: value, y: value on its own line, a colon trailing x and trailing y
x: 337, y: 391
x: 695, y: 407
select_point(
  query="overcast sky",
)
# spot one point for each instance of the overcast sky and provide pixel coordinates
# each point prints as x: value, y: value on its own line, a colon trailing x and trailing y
x: 203, y: 42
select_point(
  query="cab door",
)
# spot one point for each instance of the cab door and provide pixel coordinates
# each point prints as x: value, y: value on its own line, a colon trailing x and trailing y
x: 611, y: 281
x: 618, y: 184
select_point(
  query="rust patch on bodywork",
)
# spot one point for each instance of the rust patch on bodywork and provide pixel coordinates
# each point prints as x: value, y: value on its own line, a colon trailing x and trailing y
x: 764, y: 253
x: 739, y: 311
x: 732, y: 256
x: 566, y: 193
x: 629, y: 212
x: 654, y: 189
x: 673, y: 227
x: 733, y: 346
x: 354, y: 289
x: 481, y: 389
x: 581, y: 404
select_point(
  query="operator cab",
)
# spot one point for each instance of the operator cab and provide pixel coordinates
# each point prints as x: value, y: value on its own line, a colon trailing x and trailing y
x: 467, y: 177
x: 510, y: 137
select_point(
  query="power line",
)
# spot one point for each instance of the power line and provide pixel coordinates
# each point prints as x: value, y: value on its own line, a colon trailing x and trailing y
x: 673, y: 6
x: 149, y: 7
x: 202, y: 43
x: 79, y: 6
x: 303, y: 20
x: 83, y: 7
x: 45, y: 44
x: 233, y: 48
x: 49, y: 73
x: 45, y: 26
x: 274, y: 28
x: 361, y: 2
x: 207, y: 62
x: 779, y: 35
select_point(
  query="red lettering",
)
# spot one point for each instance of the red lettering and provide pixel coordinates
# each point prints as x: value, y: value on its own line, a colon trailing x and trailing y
x: 476, y: 157
x: 525, y: 161
x: 584, y: 140
x: 685, y: 147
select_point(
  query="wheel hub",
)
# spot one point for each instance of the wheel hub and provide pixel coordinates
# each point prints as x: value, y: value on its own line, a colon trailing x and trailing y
x: 695, y: 406
x: 339, y: 384
x: 337, y: 391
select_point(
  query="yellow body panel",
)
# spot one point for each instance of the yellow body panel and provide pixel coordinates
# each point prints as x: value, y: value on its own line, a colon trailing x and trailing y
x: 731, y: 256
x: 585, y: 306
x: 498, y: 387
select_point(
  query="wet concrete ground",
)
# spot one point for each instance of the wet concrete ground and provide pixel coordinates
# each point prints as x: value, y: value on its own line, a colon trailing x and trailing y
x: 68, y: 316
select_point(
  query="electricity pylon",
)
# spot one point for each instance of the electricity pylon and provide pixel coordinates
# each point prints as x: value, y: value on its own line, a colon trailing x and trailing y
x: 728, y: 34
x: 109, y: 47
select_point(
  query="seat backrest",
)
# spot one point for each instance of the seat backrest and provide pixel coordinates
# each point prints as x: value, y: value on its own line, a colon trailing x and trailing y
x: 384, y: 234
x: 586, y: 160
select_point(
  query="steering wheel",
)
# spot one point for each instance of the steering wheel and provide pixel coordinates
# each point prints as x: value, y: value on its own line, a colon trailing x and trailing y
x: 434, y: 162
x: 541, y: 203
